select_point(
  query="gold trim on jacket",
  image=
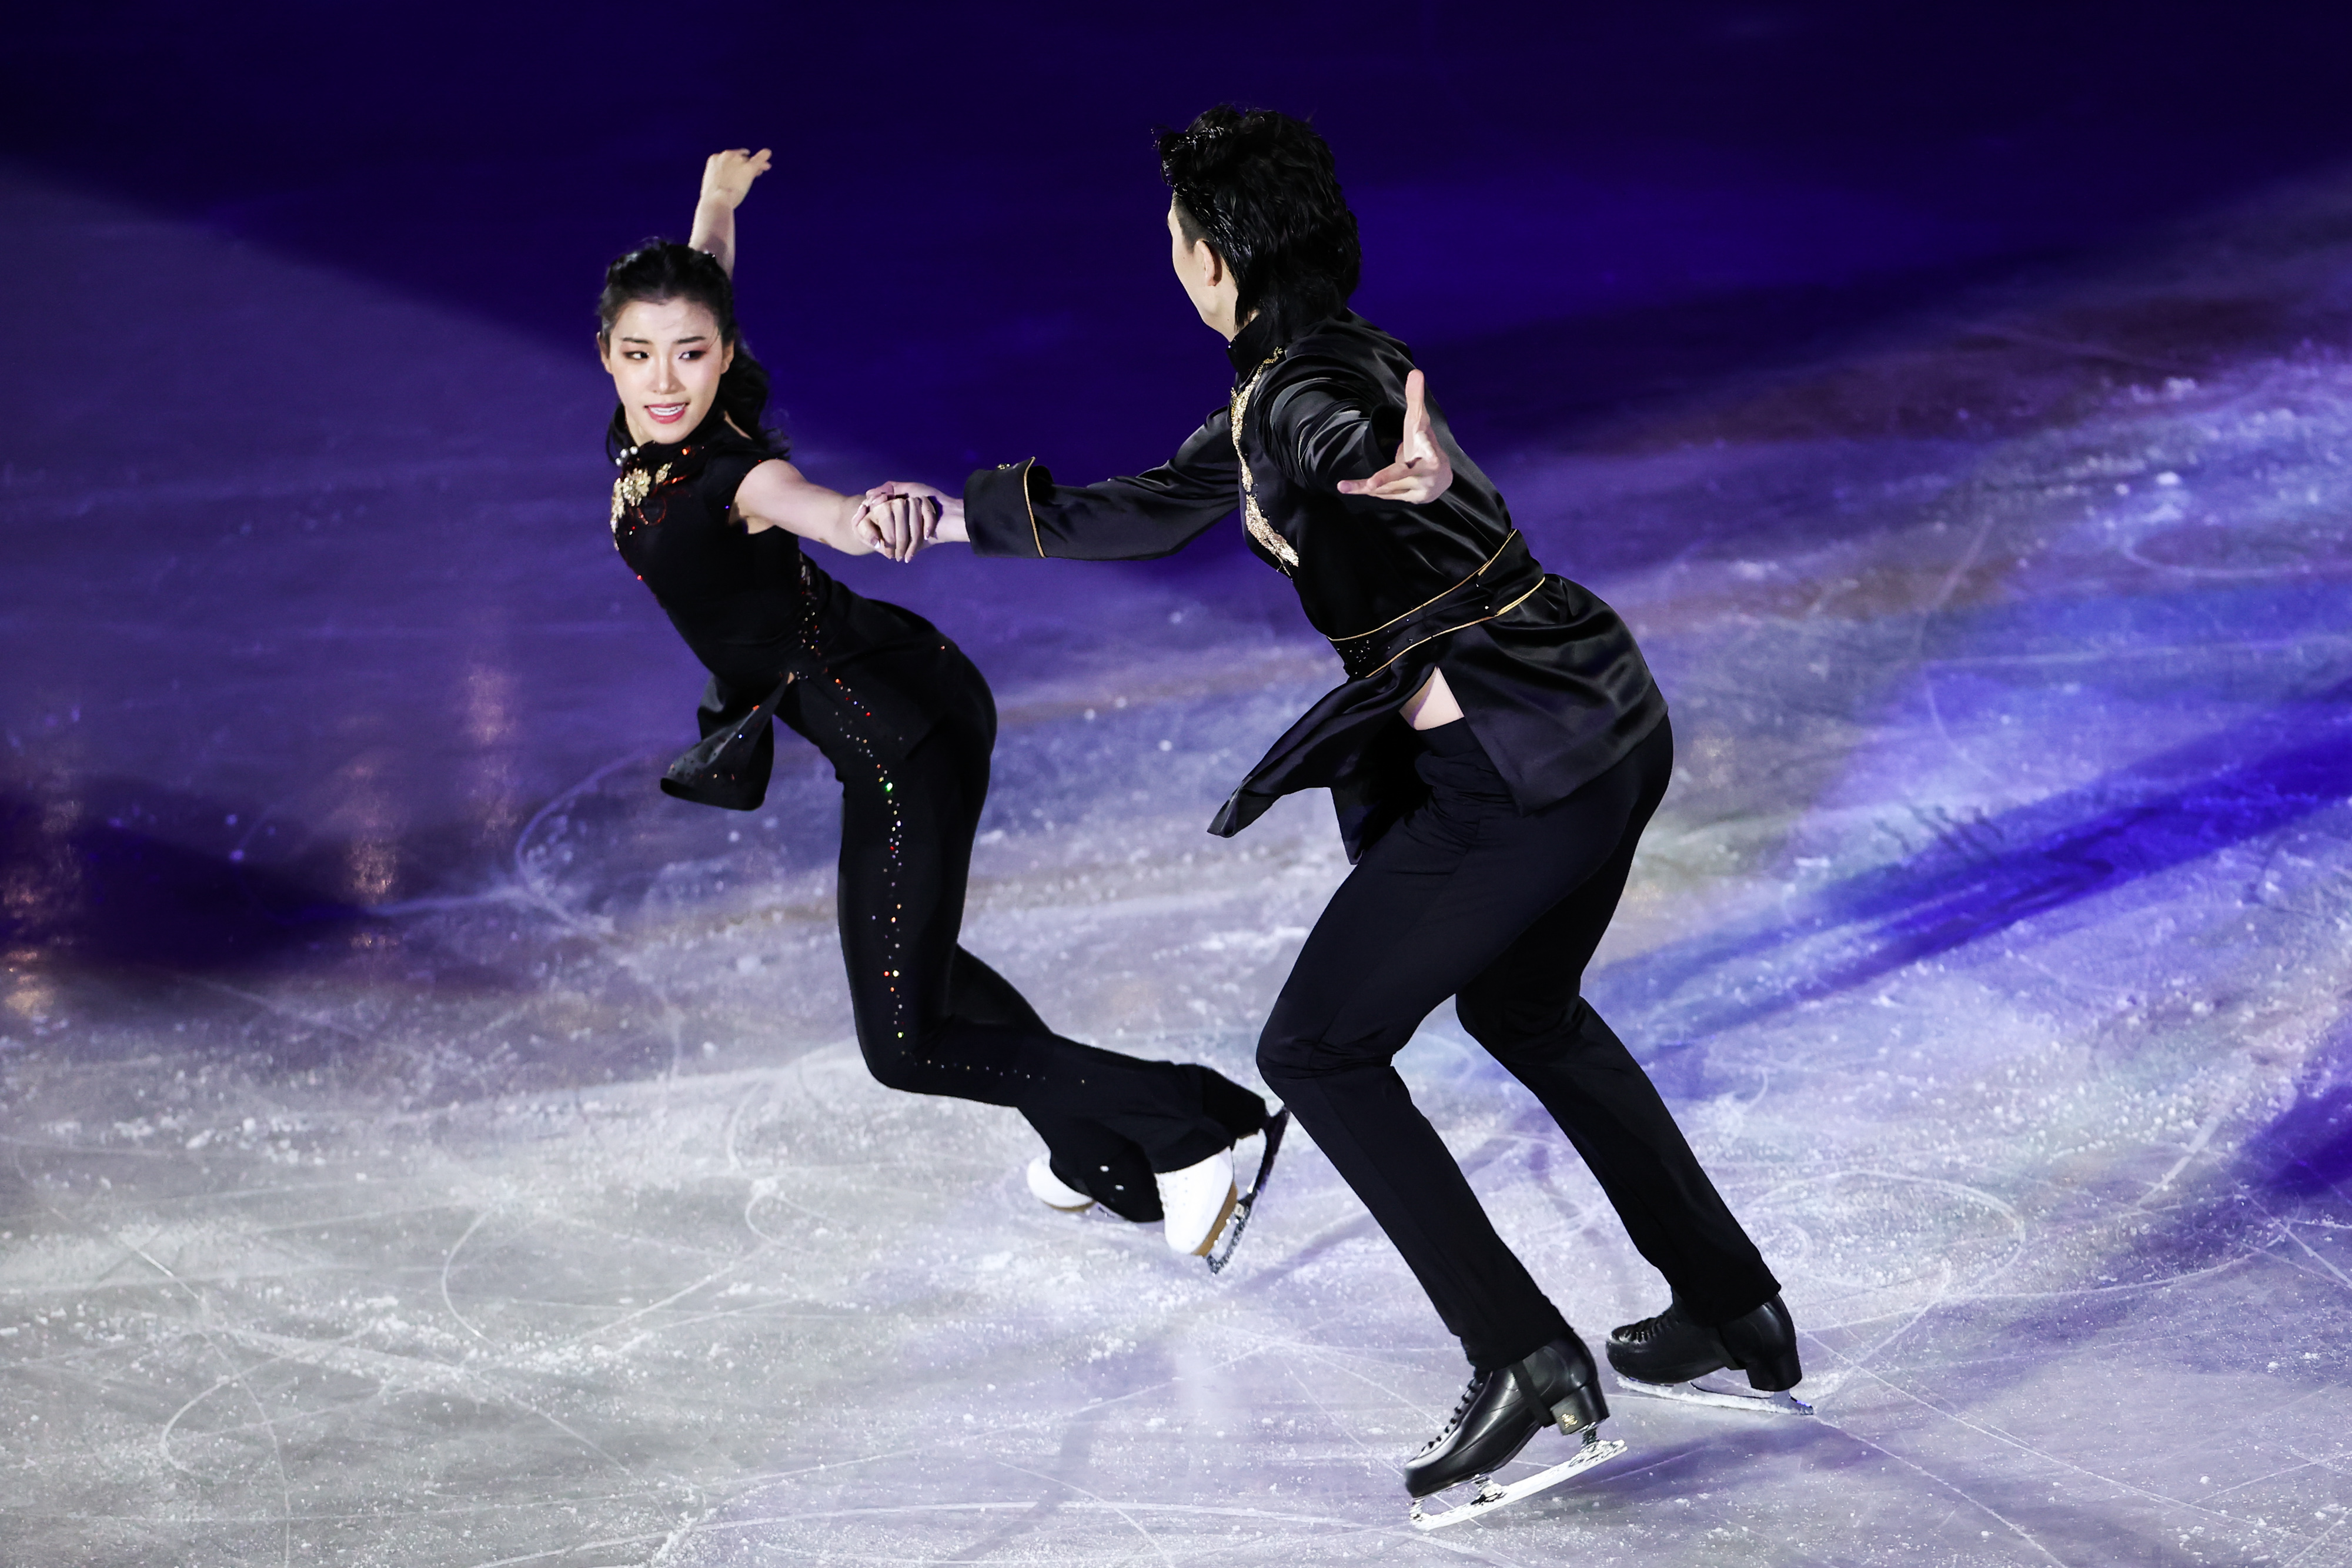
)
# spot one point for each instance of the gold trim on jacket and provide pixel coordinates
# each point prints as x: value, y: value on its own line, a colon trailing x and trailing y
x: 1284, y: 552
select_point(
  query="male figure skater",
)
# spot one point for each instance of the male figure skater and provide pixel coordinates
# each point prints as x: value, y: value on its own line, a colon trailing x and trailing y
x: 1494, y: 754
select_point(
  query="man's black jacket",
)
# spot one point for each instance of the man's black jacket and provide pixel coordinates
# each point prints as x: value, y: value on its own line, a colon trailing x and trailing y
x: 1547, y: 675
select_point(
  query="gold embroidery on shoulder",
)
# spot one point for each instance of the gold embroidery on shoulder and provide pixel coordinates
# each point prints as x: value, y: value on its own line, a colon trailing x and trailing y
x: 631, y: 488
x: 1254, y: 520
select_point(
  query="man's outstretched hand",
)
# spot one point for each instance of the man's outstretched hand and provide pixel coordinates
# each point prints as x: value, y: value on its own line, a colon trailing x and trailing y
x: 1422, y: 471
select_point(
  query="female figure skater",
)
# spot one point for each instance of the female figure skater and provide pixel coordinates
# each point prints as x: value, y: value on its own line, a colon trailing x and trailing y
x: 1495, y: 755
x: 710, y: 515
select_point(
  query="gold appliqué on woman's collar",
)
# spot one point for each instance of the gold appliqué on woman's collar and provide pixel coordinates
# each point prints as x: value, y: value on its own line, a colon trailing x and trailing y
x: 632, y: 487
x: 1254, y: 520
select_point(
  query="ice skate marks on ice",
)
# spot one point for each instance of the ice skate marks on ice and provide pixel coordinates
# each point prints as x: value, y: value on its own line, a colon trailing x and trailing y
x: 1492, y: 1498
x: 1222, y: 1253
x: 1699, y: 1390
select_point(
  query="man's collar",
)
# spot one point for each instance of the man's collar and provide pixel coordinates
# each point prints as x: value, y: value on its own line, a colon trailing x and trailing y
x: 1252, y: 344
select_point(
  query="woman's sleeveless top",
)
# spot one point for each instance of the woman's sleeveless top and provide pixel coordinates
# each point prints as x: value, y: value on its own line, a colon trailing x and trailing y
x: 862, y: 679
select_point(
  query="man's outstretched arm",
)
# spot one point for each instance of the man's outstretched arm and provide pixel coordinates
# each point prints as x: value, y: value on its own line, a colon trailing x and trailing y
x: 1018, y: 511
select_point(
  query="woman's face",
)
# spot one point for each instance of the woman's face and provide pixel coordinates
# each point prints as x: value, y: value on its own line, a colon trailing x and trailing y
x: 665, y: 360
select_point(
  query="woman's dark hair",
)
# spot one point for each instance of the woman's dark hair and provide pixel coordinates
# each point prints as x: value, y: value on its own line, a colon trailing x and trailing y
x: 1259, y: 187
x: 661, y: 270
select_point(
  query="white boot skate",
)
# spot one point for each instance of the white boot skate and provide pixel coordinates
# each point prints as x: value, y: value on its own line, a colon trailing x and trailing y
x: 1048, y: 1188
x: 1196, y: 1201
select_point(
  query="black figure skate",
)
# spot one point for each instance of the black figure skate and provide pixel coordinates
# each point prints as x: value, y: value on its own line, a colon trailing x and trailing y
x: 1666, y: 1356
x: 1495, y: 1419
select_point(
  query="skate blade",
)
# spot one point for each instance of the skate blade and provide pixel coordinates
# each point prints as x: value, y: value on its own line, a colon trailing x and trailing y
x: 1492, y: 1498
x: 1781, y: 1403
x: 1220, y: 1252
x: 1233, y: 1202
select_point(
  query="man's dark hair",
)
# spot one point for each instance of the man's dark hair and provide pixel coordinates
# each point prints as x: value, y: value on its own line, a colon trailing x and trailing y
x: 1259, y: 187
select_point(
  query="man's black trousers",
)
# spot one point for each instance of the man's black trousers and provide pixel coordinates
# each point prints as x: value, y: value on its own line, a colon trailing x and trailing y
x: 1467, y: 898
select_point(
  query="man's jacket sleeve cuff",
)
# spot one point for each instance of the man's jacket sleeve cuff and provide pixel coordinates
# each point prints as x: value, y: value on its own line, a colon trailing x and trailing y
x: 1000, y: 513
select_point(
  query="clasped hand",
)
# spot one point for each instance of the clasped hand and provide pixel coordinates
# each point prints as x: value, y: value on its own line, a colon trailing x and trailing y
x: 900, y: 518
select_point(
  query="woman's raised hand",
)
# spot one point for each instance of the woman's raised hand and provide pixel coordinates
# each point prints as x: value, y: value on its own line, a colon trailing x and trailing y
x: 727, y: 176
x: 1422, y: 471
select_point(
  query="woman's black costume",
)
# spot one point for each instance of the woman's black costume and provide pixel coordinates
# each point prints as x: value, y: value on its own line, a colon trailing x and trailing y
x: 1490, y: 853
x: 908, y: 723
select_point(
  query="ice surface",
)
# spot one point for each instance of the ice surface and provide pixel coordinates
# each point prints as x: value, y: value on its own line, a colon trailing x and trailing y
x: 427, y: 1144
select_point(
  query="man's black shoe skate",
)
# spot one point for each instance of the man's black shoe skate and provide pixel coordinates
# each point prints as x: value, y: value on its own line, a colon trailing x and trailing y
x: 1498, y: 1412
x: 1666, y: 1354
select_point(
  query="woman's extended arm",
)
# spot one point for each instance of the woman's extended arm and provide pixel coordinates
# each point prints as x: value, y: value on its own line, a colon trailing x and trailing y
x: 776, y: 494
x: 726, y: 180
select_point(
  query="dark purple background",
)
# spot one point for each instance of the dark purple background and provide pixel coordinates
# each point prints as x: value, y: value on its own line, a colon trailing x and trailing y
x: 960, y: 258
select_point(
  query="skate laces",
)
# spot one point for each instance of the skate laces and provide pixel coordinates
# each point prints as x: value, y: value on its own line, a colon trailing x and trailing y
x: 1461, y: 1407
x: 1649, y: 1328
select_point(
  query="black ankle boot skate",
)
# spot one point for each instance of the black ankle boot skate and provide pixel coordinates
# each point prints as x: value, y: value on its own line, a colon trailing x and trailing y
x: 1498, y: 1413
x: 1665, y: 1354
x: 1500, y: 1410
